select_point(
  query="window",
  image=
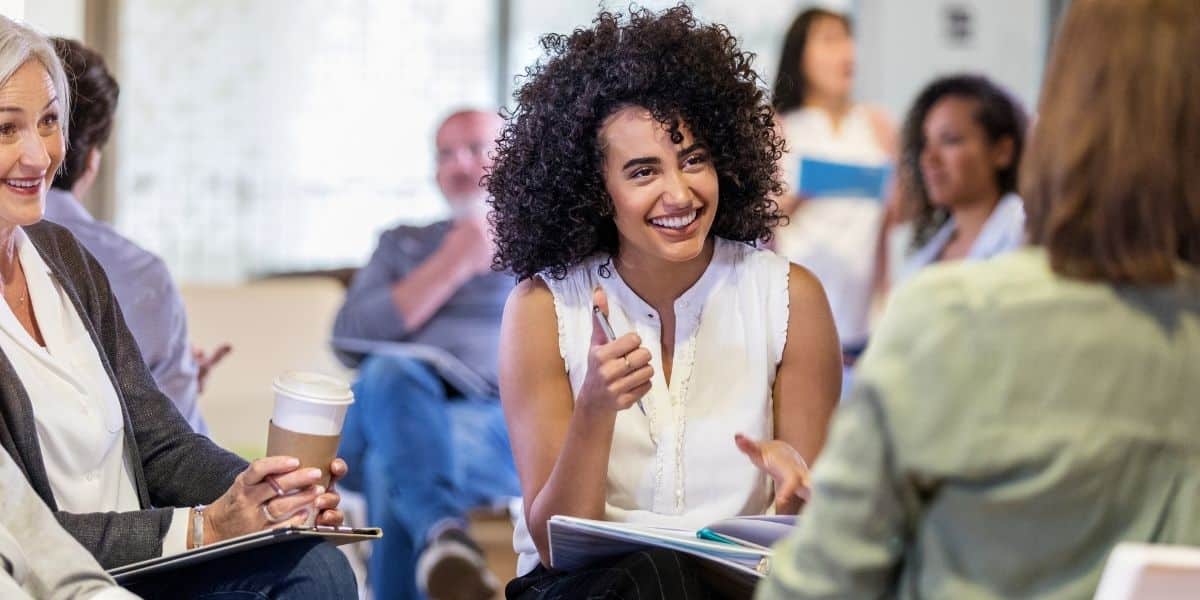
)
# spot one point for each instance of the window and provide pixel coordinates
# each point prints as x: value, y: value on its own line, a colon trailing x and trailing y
x: 264, y: 135
x: 758, y: 24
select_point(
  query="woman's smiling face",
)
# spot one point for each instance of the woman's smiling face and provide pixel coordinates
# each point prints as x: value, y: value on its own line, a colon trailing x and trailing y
x: 664, y: 194
x: 31, y: 143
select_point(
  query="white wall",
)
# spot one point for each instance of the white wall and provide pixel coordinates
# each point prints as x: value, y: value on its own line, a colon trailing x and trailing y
x: 902, y: 45
x: 56, y: 17
x: 13, y: 9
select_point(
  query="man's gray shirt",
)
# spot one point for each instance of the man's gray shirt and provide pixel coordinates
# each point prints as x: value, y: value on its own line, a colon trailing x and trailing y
x: 467, y: 325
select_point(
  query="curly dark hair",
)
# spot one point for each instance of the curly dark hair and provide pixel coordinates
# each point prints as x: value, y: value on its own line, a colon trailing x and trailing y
x: 551, y: 207
x: 94, y: 95
x: 998, y: 113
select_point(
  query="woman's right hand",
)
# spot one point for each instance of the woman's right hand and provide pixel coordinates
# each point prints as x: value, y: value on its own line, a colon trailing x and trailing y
x: 618, y: 372
x: 241, y: 509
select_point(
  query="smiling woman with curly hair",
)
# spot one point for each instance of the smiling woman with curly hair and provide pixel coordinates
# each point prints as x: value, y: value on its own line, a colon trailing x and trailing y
x: 632, y: 182
x: 552, y: 207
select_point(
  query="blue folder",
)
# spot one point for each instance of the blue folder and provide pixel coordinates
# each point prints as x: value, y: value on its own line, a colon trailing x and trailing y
x: 831, y: 179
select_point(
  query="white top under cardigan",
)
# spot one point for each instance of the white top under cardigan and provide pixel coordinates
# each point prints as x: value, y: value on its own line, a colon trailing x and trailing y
x: 80, y: 426
x: 677, y: 466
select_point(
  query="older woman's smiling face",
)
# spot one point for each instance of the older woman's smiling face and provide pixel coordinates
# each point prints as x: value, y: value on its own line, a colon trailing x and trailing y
x: 31, y: 143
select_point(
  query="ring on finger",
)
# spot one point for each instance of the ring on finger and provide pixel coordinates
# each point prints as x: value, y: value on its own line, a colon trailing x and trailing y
x: 269, y: 517
x: 275, y: 486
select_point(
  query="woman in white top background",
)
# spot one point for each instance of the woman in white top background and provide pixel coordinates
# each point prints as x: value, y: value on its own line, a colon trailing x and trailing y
x: 635, y: 174
x: 963, y: 139
x: 836, y: 236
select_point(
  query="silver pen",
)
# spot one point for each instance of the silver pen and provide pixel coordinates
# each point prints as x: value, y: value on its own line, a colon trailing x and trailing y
x: 610, y: 336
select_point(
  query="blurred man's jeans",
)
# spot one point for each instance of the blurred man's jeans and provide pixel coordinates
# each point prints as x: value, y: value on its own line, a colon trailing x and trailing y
x: 420, y: 456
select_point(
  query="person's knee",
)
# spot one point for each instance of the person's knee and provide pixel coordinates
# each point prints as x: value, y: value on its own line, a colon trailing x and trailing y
x: 322, y: 571
x: 392, y: 376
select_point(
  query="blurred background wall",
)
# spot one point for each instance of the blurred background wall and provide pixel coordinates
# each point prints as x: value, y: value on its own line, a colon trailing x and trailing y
x: 259, y: 136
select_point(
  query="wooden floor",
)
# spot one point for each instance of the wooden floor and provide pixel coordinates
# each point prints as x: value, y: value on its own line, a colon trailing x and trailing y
x: 493, y: 532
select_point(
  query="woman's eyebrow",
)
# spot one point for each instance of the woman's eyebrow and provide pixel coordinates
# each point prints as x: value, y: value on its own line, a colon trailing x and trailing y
x: 645, y: 160
x: 18, y: 109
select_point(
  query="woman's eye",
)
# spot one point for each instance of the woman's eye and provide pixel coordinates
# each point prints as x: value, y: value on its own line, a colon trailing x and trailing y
x: 696, y: 159
x: 8, y: 129
x: 49, y: 123
x: 642, y: 172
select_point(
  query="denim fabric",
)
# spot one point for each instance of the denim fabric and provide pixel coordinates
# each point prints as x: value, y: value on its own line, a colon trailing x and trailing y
x: 421, y: 456
x: 298, y: 570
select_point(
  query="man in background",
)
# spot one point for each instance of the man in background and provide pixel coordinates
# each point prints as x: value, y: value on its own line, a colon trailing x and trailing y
x: 148, y: 298
x: 422, y: 444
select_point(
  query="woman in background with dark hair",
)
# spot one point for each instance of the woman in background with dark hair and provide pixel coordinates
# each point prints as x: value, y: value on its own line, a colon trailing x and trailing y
x: 962, y: 147
x: 1016, y: 418
x: 834, y: 236
x: 635, y: 176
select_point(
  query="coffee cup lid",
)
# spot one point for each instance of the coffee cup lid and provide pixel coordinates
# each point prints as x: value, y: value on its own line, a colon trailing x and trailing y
x: 314, y: 386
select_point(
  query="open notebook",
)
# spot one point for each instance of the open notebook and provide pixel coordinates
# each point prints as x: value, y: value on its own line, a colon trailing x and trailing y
x: 744, y: 554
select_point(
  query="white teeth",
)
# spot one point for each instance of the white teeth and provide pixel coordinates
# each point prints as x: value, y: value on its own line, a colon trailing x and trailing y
x: 21, y: 184
x: 675, y: 222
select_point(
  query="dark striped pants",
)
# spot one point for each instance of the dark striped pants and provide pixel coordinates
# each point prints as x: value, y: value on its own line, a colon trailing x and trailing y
x: 645, y: 575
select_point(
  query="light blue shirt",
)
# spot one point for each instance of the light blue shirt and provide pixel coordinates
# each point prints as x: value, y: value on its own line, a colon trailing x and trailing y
x: 151, y: 304
x: 1003, y: 231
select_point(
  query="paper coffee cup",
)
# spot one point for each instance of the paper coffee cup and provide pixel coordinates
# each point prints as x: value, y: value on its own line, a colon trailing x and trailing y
x: 306, y: 423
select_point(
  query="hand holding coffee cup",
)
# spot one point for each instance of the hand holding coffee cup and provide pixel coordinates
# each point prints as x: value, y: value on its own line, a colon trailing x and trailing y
x: 307, y: 424
x: 254, y: 501
x: 295, y: 481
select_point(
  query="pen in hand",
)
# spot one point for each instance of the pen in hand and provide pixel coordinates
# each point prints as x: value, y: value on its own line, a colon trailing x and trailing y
x: 610, y: 336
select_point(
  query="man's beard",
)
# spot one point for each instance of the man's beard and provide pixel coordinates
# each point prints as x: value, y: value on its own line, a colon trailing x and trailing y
x: 472, y: 204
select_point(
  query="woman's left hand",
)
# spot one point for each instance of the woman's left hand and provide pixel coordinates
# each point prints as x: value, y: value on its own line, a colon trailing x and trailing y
x: 327, y: 503
x: 785, y: 466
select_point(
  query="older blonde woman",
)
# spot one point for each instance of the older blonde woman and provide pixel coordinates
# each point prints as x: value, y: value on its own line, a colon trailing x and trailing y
x: 79, y: 411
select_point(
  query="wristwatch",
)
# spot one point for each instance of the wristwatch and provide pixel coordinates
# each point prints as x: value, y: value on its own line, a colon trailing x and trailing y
x: 197, y: 526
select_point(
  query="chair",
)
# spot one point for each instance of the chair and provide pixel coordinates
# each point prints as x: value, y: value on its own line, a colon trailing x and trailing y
x: 1150, y: 572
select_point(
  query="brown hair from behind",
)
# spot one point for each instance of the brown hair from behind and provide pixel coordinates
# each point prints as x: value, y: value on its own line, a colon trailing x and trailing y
x: 1111, y: 178
x: 94, y: 95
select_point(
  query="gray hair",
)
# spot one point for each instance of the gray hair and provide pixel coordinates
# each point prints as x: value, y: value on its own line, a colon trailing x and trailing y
x: 19, y: 44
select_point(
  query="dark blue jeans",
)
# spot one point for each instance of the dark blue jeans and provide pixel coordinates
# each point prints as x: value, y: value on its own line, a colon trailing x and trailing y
x: 293, y: 571
x: 420, y: 456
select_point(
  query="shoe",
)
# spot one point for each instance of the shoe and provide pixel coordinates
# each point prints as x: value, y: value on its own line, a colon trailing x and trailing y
x: 452, y: 567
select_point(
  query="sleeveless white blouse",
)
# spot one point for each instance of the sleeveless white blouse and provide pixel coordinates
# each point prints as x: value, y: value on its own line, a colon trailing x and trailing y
x: 677, y: 465
x: 834, y: 237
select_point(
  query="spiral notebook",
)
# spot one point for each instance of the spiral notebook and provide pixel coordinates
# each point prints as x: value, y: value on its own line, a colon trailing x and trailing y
x: 744, y: 554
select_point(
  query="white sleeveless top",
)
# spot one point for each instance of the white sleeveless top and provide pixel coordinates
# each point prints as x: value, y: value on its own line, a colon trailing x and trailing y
x: 834, y: 237
x: 677, y: 465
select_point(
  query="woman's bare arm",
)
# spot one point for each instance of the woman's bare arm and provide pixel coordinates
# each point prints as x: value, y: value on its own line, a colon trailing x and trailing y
x: 561, y: 446
x: 809, y: 379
